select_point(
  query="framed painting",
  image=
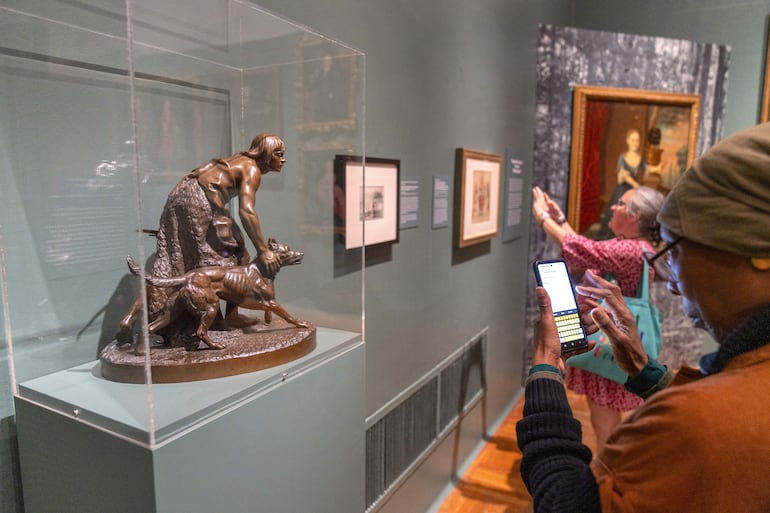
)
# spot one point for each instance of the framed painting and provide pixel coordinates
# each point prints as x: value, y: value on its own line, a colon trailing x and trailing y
x: 623, y: 138
x: 366, y: 200
x: 327, y: 88
x: 477, y: 196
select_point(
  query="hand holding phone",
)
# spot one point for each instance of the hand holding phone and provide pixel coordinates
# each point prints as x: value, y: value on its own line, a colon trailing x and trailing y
x: 554, y: 277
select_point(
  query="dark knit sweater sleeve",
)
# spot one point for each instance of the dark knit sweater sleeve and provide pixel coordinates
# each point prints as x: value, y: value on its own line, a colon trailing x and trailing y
x: 555, y: 463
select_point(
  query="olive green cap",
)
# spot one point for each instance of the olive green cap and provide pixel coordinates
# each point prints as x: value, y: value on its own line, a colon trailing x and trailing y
x: 723, y: 200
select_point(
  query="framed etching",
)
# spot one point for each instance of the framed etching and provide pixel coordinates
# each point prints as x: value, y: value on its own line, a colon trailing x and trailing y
x: 366, y: 200
x: 477, y: 195
x: 623, y: 138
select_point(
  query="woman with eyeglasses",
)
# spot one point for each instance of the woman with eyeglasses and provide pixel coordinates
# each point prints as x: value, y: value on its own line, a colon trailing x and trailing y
x: 699, y: 443
x: 636, y: 232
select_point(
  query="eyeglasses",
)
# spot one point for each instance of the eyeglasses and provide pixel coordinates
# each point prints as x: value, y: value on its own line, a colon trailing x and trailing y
x: 663, y: 267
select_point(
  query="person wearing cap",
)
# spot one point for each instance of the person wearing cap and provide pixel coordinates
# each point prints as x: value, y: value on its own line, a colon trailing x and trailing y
x: 699, y: 443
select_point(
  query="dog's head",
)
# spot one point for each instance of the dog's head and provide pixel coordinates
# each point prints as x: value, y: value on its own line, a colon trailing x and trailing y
x: 284, y: 253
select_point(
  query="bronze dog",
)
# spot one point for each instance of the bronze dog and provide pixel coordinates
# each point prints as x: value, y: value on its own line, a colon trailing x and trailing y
x: 199, y: 291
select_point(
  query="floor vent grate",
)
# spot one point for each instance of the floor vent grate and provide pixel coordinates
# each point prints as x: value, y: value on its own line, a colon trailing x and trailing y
x: 401, y: 438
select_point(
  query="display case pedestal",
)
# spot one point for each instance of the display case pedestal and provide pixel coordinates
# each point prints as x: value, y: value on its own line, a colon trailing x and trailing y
x: 283, y: 440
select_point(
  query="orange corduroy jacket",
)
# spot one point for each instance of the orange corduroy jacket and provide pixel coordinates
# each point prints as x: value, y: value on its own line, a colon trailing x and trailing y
x: 699, y: 446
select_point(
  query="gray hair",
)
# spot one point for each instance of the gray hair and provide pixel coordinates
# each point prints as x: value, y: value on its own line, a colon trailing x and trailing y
x: 647, y: 202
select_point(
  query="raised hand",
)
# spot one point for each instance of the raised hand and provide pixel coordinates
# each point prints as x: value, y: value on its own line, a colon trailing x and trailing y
x: 614, y: 318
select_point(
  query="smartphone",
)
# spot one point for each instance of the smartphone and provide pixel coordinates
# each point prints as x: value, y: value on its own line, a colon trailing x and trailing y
x: 554, y: 277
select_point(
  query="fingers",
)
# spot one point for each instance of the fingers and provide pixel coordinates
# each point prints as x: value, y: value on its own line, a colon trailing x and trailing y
x: 614, y: 318
x: 547, y: 346
x: 624, y: 338
x: 585, y: 305
x: 539, y: 196
x: 605, y: 301
x: 597, y: 288
x: 607, y: 295
x: 595, y: 280
x: 541, y: 201
x: 546, y: 311
x: 537, y: 200
x: 543, y: 302
x: 605, y: 322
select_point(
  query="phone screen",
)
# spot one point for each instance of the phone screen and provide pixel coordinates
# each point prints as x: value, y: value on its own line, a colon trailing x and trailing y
x: 554, y: 277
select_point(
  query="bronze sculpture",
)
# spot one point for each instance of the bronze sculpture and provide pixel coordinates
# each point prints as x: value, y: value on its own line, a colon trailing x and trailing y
x: 202, y: 259
x: 196, y: 228
x: 198, y: 292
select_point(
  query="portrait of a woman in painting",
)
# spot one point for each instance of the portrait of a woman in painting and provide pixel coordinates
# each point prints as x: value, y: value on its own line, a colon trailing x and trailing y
x: 622, y: 139
x: 630, y: 174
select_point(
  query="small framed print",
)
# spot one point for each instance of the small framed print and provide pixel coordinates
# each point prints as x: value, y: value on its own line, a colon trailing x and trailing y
x: 477, y: 196
x: 370, y: 188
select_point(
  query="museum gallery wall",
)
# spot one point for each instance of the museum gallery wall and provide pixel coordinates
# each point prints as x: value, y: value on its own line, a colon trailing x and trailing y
x: 570, y: 57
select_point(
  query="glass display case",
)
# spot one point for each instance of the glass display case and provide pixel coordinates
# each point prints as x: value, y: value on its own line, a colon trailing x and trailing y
x: 106, y: 105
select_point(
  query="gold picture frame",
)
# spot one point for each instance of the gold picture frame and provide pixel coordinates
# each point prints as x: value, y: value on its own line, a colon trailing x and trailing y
x: 477, y: 196
x: 764, y: 113
x: 604, y: 120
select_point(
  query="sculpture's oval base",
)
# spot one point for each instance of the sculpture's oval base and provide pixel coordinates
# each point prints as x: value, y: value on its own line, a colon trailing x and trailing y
x: 246, y: 350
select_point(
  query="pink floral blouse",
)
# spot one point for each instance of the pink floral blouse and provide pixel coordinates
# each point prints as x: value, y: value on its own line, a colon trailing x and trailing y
x: 623, y: 258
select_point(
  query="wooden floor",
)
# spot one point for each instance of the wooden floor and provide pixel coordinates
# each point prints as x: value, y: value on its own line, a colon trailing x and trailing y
x: 492, y: 483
